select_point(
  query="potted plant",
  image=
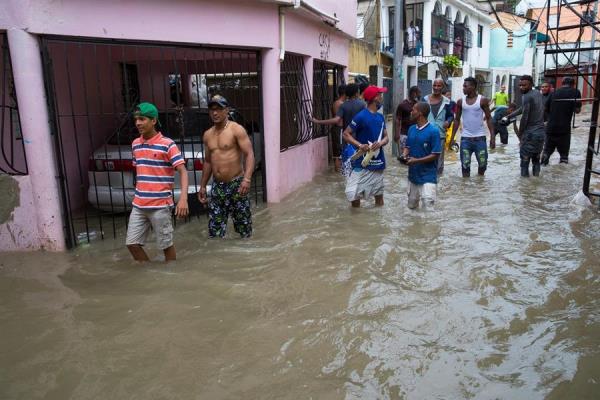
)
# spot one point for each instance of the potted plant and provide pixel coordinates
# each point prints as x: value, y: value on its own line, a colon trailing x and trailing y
x: 451, y: 63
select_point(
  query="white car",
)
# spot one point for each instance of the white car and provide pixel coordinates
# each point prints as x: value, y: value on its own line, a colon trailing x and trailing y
x: 111, y: 173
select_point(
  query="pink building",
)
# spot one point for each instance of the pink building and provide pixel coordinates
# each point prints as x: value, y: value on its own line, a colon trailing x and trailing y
x: 72, y: 71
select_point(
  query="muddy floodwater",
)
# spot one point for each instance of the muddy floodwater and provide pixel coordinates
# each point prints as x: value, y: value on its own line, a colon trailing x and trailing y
x: 493, y: 295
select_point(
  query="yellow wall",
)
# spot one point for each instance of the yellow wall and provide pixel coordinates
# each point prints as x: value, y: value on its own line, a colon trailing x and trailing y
x: 362, y: 55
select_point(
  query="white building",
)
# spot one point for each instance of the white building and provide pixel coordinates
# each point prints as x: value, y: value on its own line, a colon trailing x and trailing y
x: 445, y: 27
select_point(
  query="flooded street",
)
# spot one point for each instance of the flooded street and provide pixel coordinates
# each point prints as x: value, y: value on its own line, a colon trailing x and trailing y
x: 494, y: 295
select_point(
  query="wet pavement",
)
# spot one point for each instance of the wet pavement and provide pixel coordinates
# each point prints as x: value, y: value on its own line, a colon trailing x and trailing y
x: 493, y: 295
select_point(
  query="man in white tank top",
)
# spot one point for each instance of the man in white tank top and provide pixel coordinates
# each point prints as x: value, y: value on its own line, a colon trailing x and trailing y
x: 473, y: 109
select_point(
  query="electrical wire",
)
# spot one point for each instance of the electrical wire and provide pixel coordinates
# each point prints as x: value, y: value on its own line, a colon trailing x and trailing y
x: 534, y: 26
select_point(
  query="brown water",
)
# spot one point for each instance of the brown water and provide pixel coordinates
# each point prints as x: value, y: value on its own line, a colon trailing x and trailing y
x: 494, y: 295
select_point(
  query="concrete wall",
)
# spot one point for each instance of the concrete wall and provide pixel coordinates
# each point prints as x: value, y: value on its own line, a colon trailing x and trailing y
x: 250, y: 23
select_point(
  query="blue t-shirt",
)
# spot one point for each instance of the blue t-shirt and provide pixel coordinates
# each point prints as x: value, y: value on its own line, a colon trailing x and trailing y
x: 367, y: 126
x: 421, y: 142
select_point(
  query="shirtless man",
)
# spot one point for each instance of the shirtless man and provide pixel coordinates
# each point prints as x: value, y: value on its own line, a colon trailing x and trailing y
x: 224, y: 146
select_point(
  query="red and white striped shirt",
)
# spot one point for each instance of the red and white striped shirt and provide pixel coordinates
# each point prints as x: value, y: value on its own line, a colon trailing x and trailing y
x: 155, y: 161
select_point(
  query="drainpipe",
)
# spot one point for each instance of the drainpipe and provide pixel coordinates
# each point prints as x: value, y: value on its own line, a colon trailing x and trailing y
x: 281, y: 34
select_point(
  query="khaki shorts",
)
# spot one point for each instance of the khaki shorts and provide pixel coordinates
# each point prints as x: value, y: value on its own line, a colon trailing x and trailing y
x: 140, y: 222
x: 426, y: 193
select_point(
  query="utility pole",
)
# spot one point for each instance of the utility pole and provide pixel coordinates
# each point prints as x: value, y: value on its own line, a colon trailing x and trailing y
x: 398, y: 78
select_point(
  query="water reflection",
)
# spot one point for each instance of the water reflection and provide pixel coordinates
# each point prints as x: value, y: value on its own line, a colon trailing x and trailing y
x: 494, y: 294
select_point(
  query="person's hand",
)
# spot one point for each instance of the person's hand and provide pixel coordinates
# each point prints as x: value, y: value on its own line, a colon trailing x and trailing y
x: 375, y: 146
x: 493, y: 144
x: 244, y: 187
x: 202, y: 195
x: 411, y: 161
x: 446, y: 124
x: 182, y: 210
x: 363, y: 147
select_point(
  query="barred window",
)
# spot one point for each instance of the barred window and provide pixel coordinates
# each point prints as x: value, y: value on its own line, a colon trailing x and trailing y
x: 326, y: 79
x: 12, y: 154
x: 295, y: 126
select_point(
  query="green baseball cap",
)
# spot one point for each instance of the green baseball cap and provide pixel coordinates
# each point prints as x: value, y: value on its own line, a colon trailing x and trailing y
x: 146, y: 110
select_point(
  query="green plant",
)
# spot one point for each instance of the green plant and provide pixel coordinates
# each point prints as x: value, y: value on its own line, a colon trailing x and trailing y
x: 451, y: 61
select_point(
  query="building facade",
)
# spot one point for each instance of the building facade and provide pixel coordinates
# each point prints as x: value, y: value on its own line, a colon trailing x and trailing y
x: 74, y: 69
x: 513, y: 39
x: 433, y: 29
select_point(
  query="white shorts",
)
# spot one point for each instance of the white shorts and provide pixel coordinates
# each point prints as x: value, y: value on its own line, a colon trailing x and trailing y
x: 364, y: 183
x: 425, y: 192
x: 140, y: 221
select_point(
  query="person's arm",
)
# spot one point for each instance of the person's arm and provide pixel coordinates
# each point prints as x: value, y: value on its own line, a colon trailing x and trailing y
x: 456, y: 120
x: 182, y: 210
x: 578, y: 103
x: 485, y: 106
x: 449, y: 116
x: 525, y: 117
x: 245, y: 145
x: 331, y: 121
x: 178, y: 163
x: 514, y: 114
x: 206, y: 171
x: 349, y: 138
x: 436, y: 149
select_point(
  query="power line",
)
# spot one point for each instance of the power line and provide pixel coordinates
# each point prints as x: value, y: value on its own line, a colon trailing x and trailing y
x: 534, y: 26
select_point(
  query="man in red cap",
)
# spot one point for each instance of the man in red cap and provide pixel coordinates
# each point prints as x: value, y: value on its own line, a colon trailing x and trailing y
x: 367, y: 133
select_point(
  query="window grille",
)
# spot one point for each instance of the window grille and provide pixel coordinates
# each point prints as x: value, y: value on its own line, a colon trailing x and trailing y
x: 295, y: 126
x: 326, y: 79
x: 12, y: 156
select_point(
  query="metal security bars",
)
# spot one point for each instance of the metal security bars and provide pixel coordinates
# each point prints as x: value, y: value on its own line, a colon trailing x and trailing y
x: 12, y: 149
x: 93, y: 87
x: 326, y: 79
x: 295, y: 107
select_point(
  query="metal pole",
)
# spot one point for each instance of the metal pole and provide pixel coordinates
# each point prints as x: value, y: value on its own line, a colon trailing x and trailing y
x: 592, y: 135
x: 398, y: 78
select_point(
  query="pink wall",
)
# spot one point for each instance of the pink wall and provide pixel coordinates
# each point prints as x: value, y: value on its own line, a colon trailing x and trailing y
x: 300, y: 164
x: 20, y: 232
x: 241, y: 23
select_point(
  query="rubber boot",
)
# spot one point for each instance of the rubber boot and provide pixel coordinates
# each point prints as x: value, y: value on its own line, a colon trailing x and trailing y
x: 525, y: 172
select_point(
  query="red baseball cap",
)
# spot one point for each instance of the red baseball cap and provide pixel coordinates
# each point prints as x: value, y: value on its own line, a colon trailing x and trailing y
x: 372, y: 91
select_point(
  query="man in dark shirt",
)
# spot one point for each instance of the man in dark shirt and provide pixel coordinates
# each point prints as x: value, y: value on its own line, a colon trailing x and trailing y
x: 546, y: 90
x: 403, y: 118
x: 531, y: 130
x: 560, y: 108
x: 349, y: 108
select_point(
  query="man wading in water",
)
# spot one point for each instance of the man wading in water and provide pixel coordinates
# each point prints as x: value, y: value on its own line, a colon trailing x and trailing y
x: 367, y: 133
x: 156, y: 158
x: 439, y: 116
x: 224, y: 146
x: 532, y: 131
x: 473, y: 107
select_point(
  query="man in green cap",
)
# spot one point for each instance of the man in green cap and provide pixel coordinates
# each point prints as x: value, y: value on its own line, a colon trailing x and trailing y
x: 156, y: 158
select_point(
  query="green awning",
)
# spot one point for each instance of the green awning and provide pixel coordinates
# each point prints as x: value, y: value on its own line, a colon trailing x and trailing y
x: 541, y: 38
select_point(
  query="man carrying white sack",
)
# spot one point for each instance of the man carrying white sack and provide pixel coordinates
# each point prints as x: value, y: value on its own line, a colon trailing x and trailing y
x: 367, y: 134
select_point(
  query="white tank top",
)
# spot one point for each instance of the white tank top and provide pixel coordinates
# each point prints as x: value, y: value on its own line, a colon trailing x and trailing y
x: 472, y: 118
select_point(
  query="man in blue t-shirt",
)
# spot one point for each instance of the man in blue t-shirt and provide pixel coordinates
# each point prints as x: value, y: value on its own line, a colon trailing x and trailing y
x: 367, y: 133
x: 423, y: 147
